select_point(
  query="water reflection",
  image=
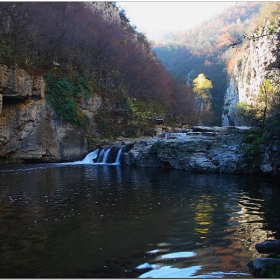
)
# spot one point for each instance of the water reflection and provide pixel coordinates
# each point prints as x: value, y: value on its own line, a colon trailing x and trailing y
x: 172, y: 272
x: 107, y: 221
x: 203, y: 216
x: 251, y: 220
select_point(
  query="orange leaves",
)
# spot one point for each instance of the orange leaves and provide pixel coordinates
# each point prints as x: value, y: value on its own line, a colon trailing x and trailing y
x: 236, y: 56
x: 224, y: 38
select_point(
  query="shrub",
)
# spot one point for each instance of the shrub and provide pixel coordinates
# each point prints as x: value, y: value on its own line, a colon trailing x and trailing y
x: 254, y: 139
x: 64, y: 95
x: 107, y: 128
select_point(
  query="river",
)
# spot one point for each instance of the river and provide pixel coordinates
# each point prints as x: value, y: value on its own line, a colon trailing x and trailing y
x: 86, y: 220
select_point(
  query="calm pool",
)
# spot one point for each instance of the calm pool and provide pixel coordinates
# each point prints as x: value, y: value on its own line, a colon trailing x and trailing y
x: 60, y: 220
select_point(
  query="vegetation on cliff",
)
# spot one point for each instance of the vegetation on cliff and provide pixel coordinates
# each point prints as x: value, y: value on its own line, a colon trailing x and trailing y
x: 79, y: 51
x: 262, y: 109
x: 201, y: 50
x: 65, y: 94
x: 82, y: 53
x: 264, y: 112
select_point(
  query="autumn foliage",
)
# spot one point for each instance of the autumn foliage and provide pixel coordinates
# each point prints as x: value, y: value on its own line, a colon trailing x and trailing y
x: 70, y: 40
x: 188, y: 53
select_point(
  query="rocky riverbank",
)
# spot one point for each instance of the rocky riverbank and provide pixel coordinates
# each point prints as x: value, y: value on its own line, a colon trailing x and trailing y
x: 218, y: 149
x: 268, y: 267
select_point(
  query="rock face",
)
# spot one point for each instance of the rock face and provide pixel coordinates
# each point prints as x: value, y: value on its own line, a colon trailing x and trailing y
x: 29, y: 128
x: 16, y: 85
x: 31, y: 131
x: 108, y: 11
x: 247, y: 76
x: 195, y: 153
x: 222, y: 152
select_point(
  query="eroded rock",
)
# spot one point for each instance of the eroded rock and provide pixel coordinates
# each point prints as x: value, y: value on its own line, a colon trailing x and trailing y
x: 221, y: 153
x: 29, y: 128
x: 17, y: 84
x: 194, y: 153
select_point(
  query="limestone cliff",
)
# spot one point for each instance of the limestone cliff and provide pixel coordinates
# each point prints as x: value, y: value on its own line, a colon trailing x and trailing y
x: 248, y: 74
x: 29, y: 128
x: 108, y: 11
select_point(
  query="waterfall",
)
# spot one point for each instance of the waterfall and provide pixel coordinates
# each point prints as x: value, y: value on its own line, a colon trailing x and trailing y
x: 103, y: 157
x: 90, y: 157
x: 119, y: 156
x: 107, y: 156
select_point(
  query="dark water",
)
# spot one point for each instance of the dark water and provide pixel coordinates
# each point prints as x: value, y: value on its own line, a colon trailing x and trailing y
x: 104, y: 221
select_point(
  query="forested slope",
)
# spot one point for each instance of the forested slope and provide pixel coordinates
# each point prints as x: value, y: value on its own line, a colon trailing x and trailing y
x: 201, y: 50
x: 73, y: 40
x: 80, y: 51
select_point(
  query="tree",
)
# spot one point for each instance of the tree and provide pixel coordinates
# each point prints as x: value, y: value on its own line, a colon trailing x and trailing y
x: 202, y: 87
x: 181, y: 104
x: 114, y: 59
x: 265, y: 103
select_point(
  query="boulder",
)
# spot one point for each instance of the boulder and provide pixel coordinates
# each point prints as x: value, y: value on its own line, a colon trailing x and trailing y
x: 265, y: 267
x: 269, y: 246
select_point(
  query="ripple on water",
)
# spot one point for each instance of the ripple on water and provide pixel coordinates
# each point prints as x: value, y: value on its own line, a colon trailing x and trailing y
x: 171, y: 272
x: 80, y: 216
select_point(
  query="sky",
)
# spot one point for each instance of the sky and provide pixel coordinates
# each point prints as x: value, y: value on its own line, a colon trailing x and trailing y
x: 151, y: 17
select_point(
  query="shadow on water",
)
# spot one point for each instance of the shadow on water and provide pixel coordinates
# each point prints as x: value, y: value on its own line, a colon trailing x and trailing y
x: 86, y: 220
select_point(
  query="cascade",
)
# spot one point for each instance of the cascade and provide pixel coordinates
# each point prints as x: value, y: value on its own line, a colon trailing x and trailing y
x: 107, y: 155
x: 119, y: 156
x: 90, y: 157
x: 103, y: 156
x: 174, y: 134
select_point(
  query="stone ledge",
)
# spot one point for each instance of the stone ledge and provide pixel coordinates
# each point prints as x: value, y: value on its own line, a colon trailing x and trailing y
x: 17, y: 84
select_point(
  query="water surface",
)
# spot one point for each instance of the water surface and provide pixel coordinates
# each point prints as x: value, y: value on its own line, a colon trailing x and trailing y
x: 60, y: 220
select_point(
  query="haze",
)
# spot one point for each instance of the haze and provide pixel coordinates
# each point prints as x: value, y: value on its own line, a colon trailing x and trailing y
x: 153, y: 17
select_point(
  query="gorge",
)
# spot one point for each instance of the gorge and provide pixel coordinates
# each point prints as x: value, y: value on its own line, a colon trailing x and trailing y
x: 105, y: 169
x: 32, y: 131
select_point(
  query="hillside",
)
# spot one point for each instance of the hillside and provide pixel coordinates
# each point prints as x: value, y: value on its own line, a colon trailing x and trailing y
x: 74, y: 75
x: 71, y: 74
x: 201, y: 49
x: 85, y: 48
